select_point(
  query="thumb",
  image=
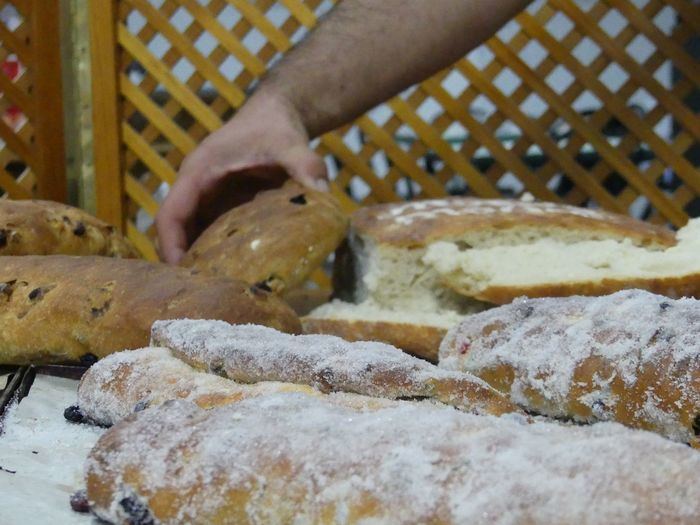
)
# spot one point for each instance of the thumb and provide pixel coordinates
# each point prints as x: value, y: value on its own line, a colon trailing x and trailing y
x: 305, y: 167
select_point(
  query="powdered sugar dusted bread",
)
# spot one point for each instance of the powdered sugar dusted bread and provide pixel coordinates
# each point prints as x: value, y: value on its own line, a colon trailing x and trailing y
x: 128, y: 382
x: 33, y: 227
x: 276, y: 240
x: 631, y: 357
x: 250, y: 354
x: 550, y: 267
x: 57, y: 308
x: 298, y: 459
x: 384, y: 267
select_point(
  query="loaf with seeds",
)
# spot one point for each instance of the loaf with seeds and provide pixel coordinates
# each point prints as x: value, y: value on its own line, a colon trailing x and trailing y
x: 57, y: 308
x: 275, y: 241
x: 32, y: 227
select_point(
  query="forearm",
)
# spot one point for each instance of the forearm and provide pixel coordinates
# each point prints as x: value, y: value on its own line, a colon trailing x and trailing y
x: 366, y: 51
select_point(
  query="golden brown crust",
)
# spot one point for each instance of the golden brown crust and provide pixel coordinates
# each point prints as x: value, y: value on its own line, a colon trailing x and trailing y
x: 58, y: 308
x: 421, y: 222
x: 674, y: 287
x: 32, y: 227
x: 630, y: 357
x: 278, y: 239
x: 419, y: 340
x: 303, y: 300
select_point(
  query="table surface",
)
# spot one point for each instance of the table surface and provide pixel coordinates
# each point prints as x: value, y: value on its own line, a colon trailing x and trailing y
x: 46, y: 454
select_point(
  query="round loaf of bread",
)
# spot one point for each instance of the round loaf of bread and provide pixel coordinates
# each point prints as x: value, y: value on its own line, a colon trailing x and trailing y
x: 58, y: 308
x: 275, y: 241
x: 32, y: 227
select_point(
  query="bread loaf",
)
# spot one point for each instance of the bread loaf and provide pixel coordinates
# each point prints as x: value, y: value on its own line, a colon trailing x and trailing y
x: 548, y: 267
x: 391, y: 274
x: 276, y: 240
x: 251, y: 354
x: 298, y: 459
x: 127, y: 382
x: 46, y: 228
x: 631, y: 357
x: 58, y: 308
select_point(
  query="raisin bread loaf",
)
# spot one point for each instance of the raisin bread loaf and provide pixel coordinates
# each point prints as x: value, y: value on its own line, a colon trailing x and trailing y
x: 294, y: 458
x: 58, y: 308
x: 252, y: 354
x: 631, y: 357
x: 276, y: 240
x: 31, y: 227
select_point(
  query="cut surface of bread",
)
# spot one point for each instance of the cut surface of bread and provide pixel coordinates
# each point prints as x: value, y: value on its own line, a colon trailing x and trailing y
x: 294, y: 458
x: 418, y: 333
x: 385, y: 257
x: 550, y: 267
x: 392, y: 273
x: 275, y: 241
x: 34, y: 227
x: 631, y: 357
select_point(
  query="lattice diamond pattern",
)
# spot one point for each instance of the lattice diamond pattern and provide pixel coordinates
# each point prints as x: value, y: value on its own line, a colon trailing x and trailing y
x: 593, y: 103
x: 17, y: 160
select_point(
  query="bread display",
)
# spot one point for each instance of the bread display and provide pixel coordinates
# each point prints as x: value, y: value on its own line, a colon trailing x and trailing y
x: 276, y: 240
x: 396, y: 263
x: 32, y: 227
x: 294, y: 458
x: 58, y: 308
x: 251, y: 354
x: 631, y: 357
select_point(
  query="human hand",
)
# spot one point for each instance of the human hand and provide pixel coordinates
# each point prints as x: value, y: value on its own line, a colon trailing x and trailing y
x: 256, y: 150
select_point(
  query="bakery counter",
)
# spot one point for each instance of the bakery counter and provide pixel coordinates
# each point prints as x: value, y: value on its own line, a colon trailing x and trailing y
x: 42, y: 456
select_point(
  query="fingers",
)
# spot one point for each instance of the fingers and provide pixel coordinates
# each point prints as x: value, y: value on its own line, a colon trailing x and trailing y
x: 173, y: 219
x: 304, y: 166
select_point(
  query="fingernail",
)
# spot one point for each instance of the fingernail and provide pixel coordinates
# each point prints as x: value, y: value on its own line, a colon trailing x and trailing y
x: 321, y: 185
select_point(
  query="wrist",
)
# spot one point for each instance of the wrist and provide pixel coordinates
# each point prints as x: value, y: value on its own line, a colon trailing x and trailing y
x: 274, y: 105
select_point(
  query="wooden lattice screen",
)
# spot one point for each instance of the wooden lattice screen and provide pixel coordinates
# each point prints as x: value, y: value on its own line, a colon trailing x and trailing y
x: 591, y: 102
x: 32, y: 160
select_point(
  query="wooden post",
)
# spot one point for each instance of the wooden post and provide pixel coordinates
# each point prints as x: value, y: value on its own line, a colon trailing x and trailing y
x: 109, y: 186
x: 48, y: 143
x: 77, y: 104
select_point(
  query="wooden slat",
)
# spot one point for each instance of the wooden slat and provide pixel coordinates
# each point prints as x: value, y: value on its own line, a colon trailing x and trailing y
x: 196, y: 107
x: 681, y: 59
x: 48, y: 118
x: 15, y: 45
x: 229, y: 91
x: 109, y: 183
x: 150, y: 158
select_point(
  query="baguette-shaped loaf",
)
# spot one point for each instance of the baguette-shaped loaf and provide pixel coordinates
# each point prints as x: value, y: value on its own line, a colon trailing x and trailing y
x: 251, y: 354
x: 631, y: 357
x: 127, y: 382
x: 31, y: 227
x: 298, y: 459
x: 276, y: 240
x: 58, y: 308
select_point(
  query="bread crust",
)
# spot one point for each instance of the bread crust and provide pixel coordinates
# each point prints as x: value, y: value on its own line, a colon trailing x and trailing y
x: 418, y: 340
x: 58, y: 308
x: 298, y: 459
x: 420, y: 223
x: 277, y: 239
x: 253, y: 354
x: 630, y: 357
x: 35, y: 227
x: 674, y: 287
